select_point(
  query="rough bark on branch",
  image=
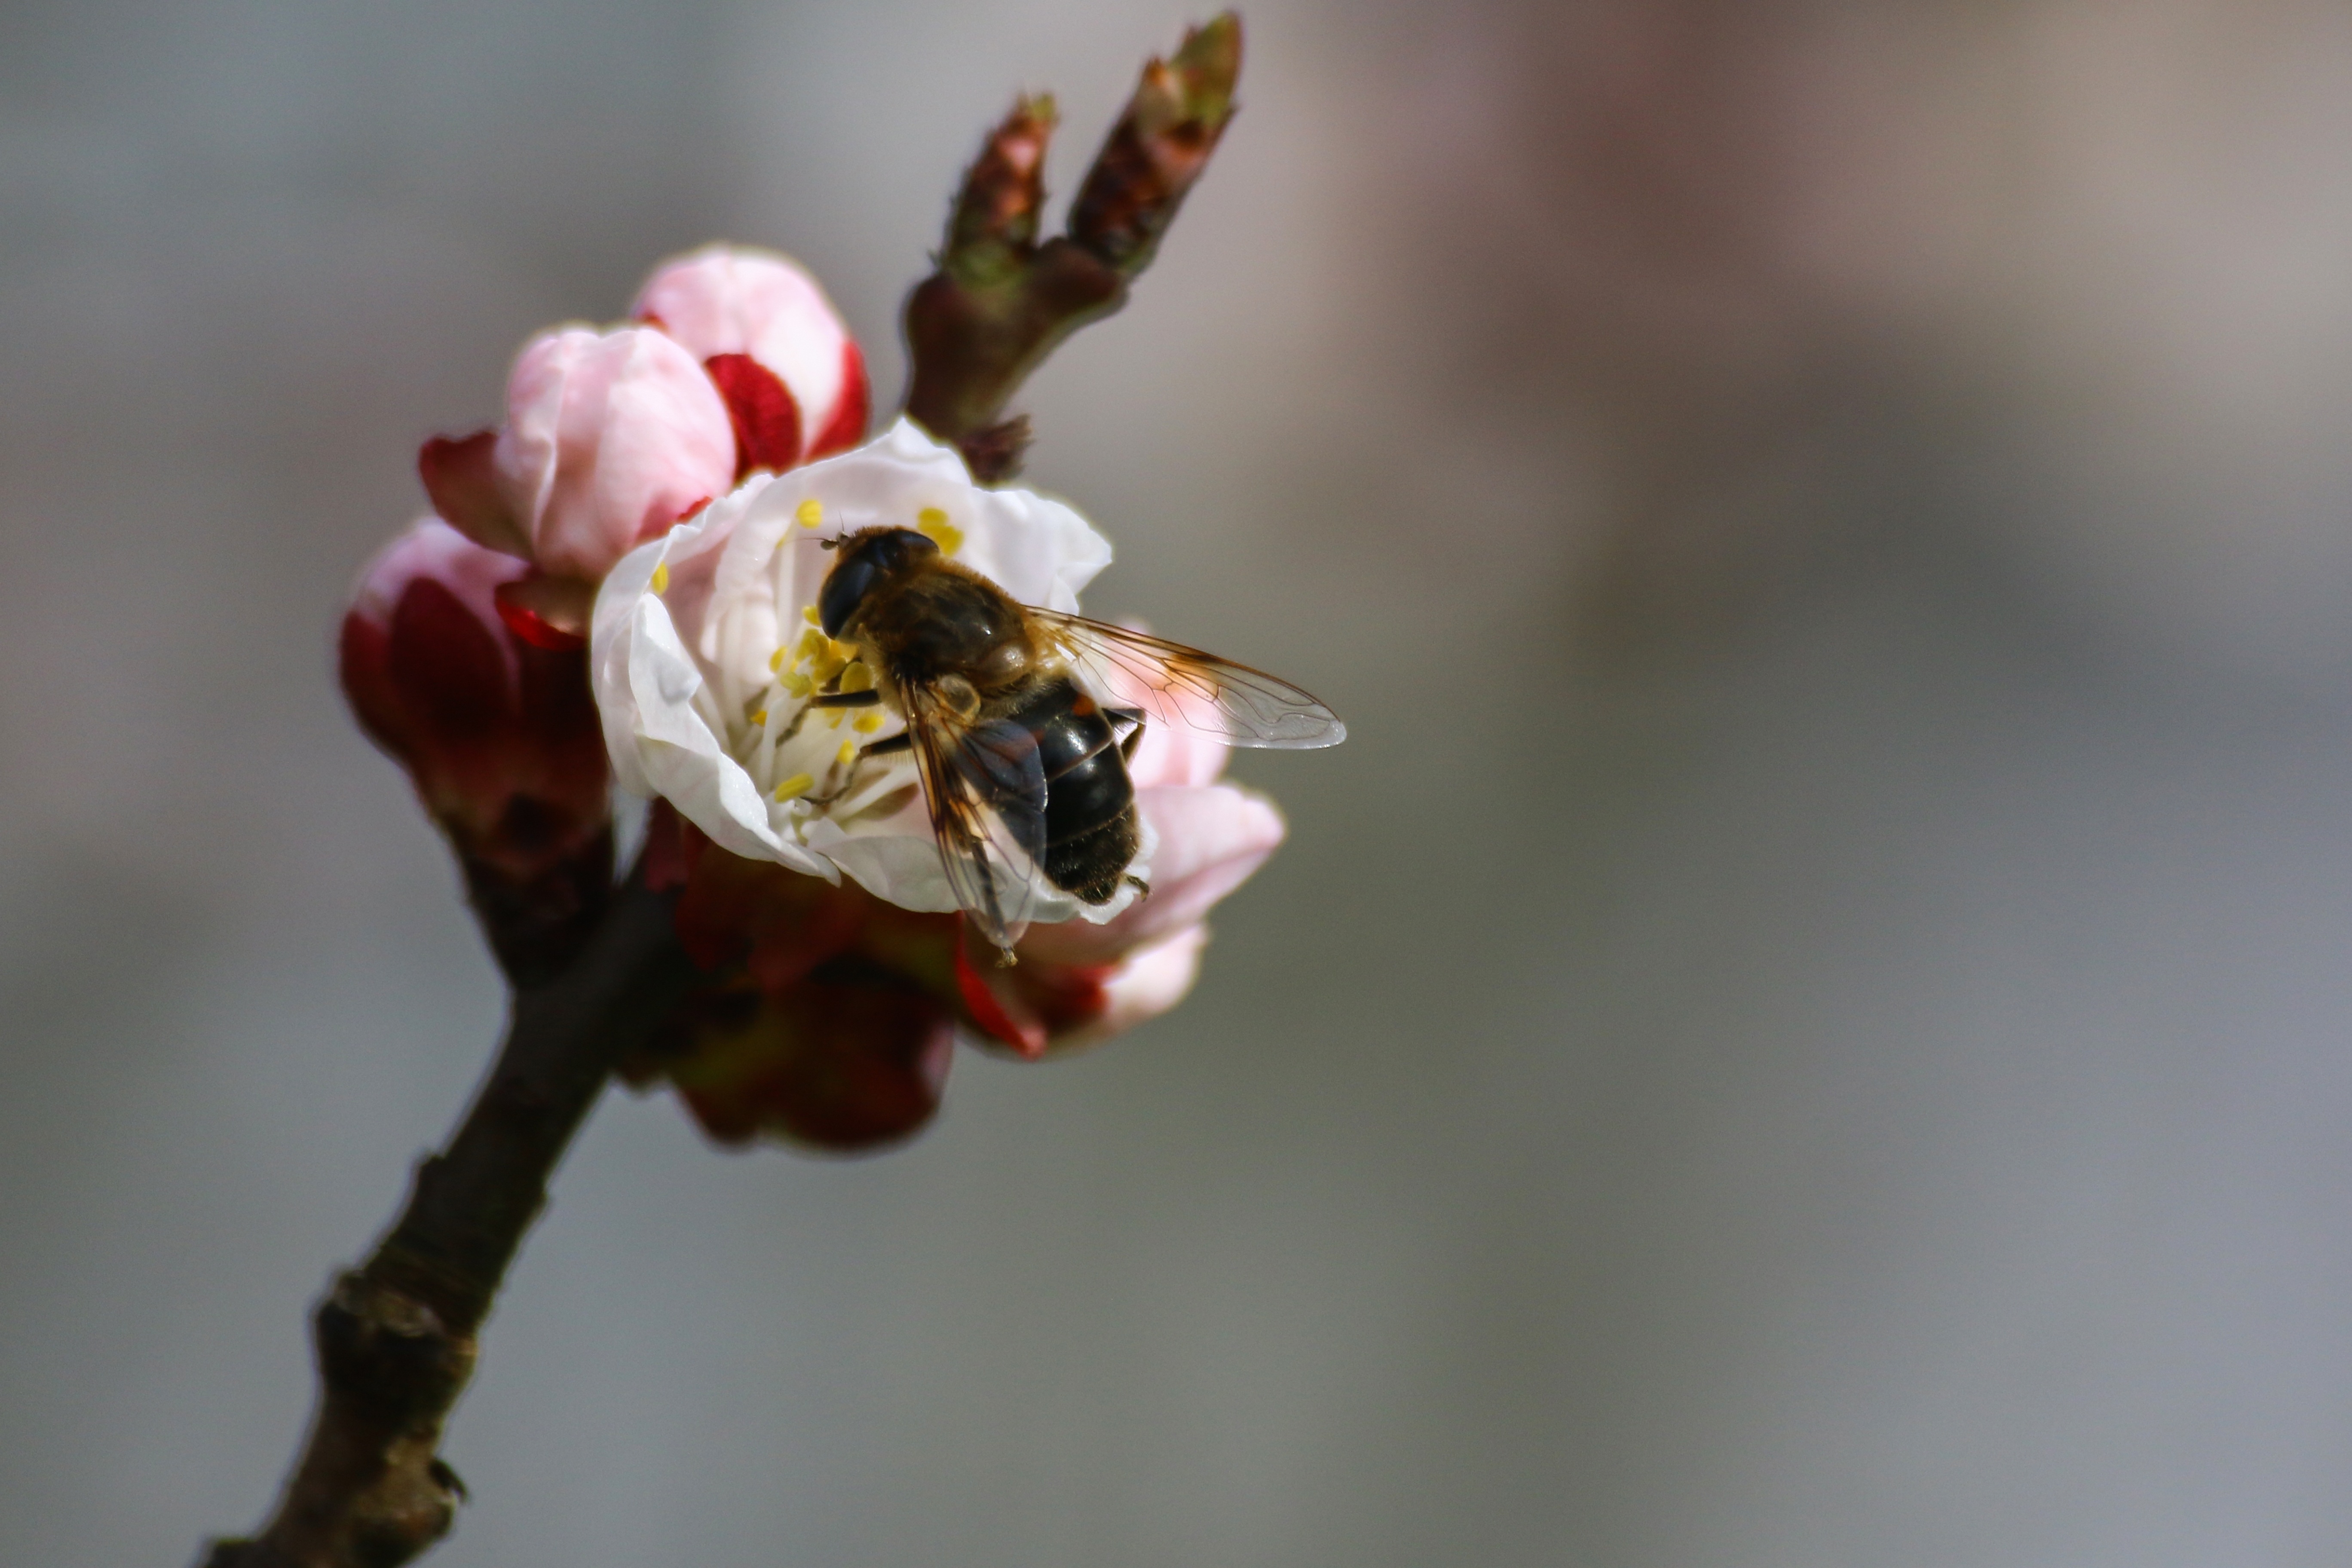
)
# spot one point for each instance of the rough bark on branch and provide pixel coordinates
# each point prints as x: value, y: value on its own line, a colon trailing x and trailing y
x: 395, y: 1336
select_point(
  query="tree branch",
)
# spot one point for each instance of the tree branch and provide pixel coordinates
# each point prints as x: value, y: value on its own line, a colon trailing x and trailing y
x: 998, y: 303
x: 395, y: 1336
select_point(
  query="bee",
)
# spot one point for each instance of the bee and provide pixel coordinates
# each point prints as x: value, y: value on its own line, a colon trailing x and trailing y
x: 1021, y: 720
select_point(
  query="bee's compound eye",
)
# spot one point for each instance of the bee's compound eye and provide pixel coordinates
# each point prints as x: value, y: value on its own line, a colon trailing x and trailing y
x: 845, y: 589
x: 866, y: 558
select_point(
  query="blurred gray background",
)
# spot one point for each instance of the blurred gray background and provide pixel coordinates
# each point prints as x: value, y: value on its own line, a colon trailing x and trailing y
x: 1806, y: 1027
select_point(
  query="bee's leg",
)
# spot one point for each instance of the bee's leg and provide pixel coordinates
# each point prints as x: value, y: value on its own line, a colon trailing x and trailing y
x: 1142, y: 888
x: 1134, y: 737
x: 901, y: 742
x: 866, y: 698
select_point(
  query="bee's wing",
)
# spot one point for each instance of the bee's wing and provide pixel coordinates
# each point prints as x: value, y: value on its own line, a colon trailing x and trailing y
x: 985, y: 785
x: 1184, y: 685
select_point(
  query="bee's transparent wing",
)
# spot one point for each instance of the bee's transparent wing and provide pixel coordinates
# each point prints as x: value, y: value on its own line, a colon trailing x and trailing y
x: 985, y: 785
x: 1182, y: 685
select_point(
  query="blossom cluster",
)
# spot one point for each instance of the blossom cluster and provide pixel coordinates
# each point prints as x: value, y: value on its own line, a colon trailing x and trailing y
x: 618, y: 585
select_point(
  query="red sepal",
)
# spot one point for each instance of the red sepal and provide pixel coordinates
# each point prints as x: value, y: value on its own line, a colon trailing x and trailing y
x: 459, y: 481
x: 987, y: 1010
x: 767, y: 419
x: 838, y: 1062
x: 851, y: 409
x: 528, y: 624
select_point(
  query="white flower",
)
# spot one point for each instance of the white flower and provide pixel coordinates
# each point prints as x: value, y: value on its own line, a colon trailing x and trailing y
x: 705, y: 651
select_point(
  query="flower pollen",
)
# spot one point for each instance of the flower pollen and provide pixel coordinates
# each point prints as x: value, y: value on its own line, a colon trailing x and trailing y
x: 660, y: 583
x: 933, y: 524
x: 810, y: 514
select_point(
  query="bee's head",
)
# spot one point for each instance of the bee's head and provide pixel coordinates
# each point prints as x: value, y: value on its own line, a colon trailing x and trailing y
x: 869, y: 556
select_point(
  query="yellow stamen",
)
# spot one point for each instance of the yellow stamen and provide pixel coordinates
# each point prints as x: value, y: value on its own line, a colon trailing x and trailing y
x: 795, y: 684
x: 758, y: 717
x: 661, y: 577
x: 776, y: 662
x: 813, y: 643
x: 858, y: 677
x: 799, y: 783
x: 811, y: 513
x: 808, y: 614
x: 848, y: 752
x: 867, y: 724
x: 933, y: 524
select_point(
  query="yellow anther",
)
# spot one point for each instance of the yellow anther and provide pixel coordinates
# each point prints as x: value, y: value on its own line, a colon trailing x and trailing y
x: 811, y: 513
x: 858, y: 677
x: 867, y: 724
x: 933, y: 524
x: 813, y: 643
x: 776, y: 662
x: 795, y: 684
x: 808, y: 614
x: 661, y: 577
x: 848, y: 752
x: 843, y: 651
x: 799, y: 783
x: 758, y: 717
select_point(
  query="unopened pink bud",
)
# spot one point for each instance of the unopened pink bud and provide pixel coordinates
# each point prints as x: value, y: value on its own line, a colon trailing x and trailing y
x: 610, y: 438
x: 780, y: 355
x: 500, y: 738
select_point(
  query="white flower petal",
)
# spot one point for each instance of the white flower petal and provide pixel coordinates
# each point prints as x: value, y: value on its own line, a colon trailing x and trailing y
x: 694, y: 677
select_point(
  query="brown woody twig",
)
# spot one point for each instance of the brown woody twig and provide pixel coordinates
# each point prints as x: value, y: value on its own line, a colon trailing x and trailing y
x: 395, y: 1336
x: 999, y: 301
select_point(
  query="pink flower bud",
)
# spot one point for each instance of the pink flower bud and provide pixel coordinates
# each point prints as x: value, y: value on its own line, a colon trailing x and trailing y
x: 610, y: 438
x: 791, y: 376
x: 500, y: 738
